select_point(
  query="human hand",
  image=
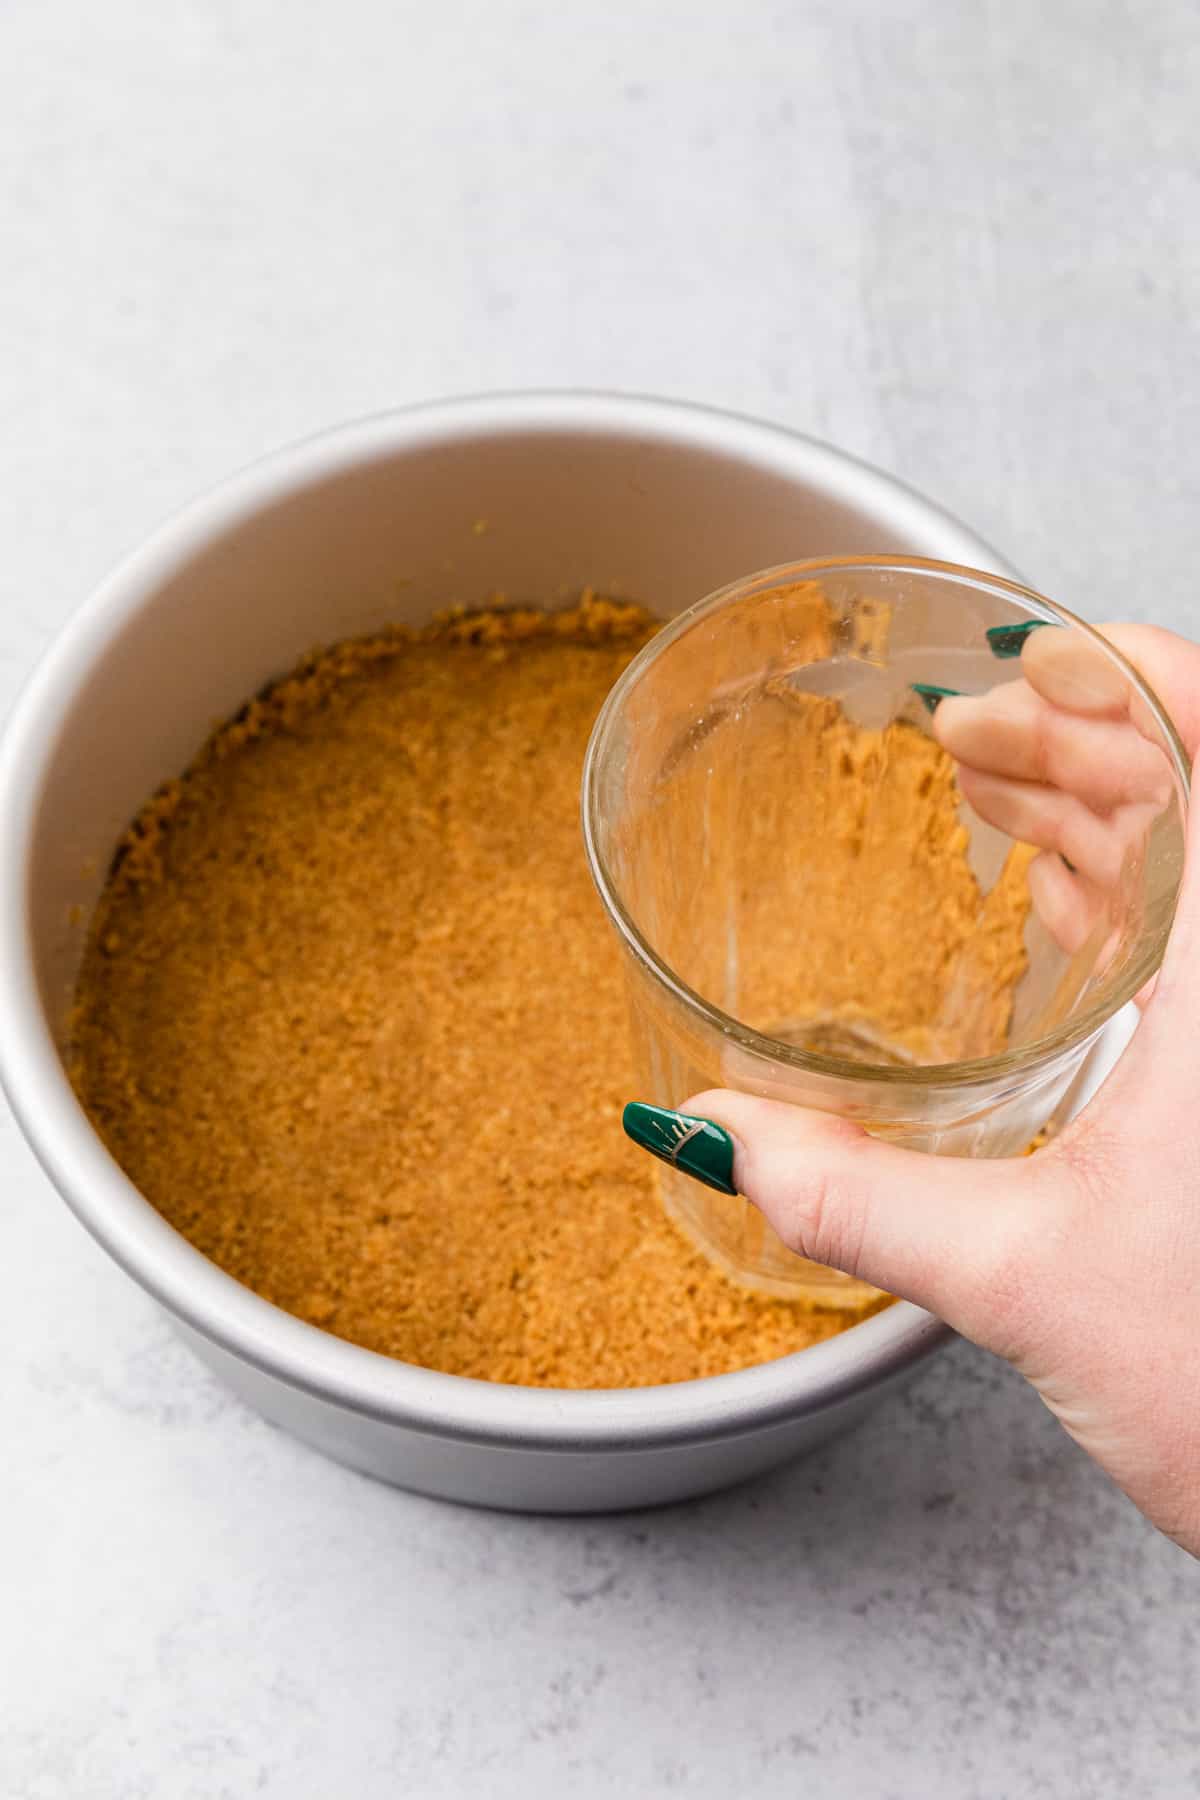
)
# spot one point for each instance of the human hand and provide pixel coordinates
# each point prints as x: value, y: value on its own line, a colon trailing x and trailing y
x: 1080, y: 1264
x: 1067, y: 758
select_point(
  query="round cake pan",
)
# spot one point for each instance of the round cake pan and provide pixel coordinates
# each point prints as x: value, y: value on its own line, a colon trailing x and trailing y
x: 395, y: 518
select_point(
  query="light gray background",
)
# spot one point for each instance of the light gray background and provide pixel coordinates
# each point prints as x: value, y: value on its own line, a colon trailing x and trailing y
x: 962, y: 240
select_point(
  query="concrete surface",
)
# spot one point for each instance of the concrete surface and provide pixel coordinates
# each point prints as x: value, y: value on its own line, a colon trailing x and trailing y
x: 959, y: 240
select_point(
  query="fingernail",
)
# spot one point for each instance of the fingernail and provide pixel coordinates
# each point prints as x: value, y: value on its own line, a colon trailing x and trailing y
x: 1009, y: 640
x: 697, y: 1146
x: 932, y: 697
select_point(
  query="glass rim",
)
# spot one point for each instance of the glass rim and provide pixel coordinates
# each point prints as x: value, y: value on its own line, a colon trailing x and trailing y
x: 976, y: 1070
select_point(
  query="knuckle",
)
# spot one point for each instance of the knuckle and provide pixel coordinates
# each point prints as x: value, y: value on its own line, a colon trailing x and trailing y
x: 1042, y: 747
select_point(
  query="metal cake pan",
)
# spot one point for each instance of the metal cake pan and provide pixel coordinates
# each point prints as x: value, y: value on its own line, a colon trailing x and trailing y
x: 393, y: 518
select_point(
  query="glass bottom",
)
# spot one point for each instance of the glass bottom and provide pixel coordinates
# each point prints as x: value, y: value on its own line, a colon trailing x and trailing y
x: 857, y: 1040
x: 734, y: 1235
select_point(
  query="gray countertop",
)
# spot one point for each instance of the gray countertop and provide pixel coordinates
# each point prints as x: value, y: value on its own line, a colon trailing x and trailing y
x: 959, y: 240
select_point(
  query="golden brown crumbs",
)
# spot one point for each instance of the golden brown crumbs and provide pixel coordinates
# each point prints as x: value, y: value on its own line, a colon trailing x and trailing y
x: 351, y: 1018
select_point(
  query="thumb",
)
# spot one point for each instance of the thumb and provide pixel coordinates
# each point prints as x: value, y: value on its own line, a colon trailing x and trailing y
x: 958, y: 1235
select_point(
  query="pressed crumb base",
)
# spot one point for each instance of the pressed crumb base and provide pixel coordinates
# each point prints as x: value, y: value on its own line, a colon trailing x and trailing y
x: 352, y: 1019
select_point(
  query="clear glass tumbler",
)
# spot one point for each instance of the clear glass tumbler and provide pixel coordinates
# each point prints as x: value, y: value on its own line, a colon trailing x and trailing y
x: 820, y: 904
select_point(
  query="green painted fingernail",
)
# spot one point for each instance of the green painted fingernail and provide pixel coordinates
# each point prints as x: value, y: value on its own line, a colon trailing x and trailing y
x: 1009, y: 640
x: 931, y: 697
x: 696, y: 1146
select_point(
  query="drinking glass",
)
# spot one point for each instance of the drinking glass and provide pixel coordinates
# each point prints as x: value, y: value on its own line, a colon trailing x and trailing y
x: 802, y: 919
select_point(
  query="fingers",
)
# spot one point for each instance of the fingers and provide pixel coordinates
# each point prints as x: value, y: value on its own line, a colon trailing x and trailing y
x: 1170, y: 664
x: 1054, y: 820
x: 1174, y: 1010
x: 1074, y: 722
x: 1067, y: 758
x: 1068, y: 905
x: 1022, y: 735
x: 955, y: 1235
x: 1073, y: 673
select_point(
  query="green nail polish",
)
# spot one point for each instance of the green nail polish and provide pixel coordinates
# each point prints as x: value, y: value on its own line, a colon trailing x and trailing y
x: 697, y: 1146
x: 1009, y: 640
x: 931, y: 697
